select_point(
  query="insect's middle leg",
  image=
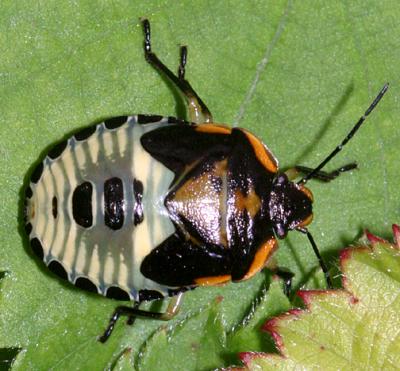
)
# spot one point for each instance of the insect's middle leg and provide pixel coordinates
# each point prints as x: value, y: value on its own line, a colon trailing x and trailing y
x: 324, y: 176
x: 198, y: 111
x: 287, y: 278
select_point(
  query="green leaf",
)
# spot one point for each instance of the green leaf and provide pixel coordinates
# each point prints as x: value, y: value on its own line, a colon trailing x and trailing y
x: 197, y: 344
x: 355, y: 328
x: 200, y: 342
x: 298, y: 74
x: 125, y: 362
x: 247, y: 336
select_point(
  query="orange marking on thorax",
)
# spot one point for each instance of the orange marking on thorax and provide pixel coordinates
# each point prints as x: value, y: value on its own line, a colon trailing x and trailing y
x: 212, y: 281
x: 200, y: 202
x: 262, y: 153
x: 213, y: 129
x: 201, y: 185
x: 306, y: 221
x: 261, y: 257
x: 251, y: 202
x: 307, y: 192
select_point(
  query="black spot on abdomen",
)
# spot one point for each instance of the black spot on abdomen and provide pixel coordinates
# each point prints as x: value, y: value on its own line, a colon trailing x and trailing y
x: 54, y: 208
x: 37, y: 248
x: 138, y: 208
x: 147, y: 119
x: 82, y: 205
x: 114, y: 203
x: 58, y: 269
x: 86, y: 284
x: 28, y: 192
x: 115, y: 122
x: 85, y: 133
x: 117, y: 293
x: 37, y: 173
x: 57, y: 150
x: 28, y: 228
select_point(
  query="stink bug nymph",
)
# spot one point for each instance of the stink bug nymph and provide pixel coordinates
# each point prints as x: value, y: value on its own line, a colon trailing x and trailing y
x: 145, y: 207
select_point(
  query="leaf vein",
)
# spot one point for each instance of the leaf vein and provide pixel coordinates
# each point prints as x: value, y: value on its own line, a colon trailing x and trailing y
x: 263, y: 63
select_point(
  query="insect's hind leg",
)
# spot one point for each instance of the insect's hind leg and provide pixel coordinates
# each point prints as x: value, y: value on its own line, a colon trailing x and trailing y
x: 133, y: 312
x: 321, y: 175
x: 198, y: 111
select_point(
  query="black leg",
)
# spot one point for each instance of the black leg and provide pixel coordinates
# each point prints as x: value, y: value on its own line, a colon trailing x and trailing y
x: 324, y: 176
x: 198, y: 111
x: 133, y: 312
x: 182, y: 63
x: 287, y: 278
x: 131, y: 319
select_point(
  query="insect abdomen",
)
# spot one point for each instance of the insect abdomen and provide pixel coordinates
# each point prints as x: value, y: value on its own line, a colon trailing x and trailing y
x: 96, y: 208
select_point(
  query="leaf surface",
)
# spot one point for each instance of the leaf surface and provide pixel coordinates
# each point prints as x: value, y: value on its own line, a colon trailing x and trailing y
x: 354, y: 328
x: 298, y: 74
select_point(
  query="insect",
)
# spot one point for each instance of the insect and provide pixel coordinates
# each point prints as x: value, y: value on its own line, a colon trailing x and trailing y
x: 145, y: 207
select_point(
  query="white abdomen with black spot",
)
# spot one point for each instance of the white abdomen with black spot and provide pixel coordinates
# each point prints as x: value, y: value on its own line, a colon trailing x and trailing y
x: 107, y: 257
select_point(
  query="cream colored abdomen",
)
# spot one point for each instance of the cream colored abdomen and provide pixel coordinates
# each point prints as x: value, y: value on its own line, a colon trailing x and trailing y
x: 106, y: 257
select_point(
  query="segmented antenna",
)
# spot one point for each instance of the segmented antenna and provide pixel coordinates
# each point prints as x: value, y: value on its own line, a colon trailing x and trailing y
x: 348, y: 136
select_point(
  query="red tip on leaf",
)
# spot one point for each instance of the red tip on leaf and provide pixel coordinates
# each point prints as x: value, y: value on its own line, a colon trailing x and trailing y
x: 354, y: 300
x: 247, y: 357
x: 396, y: 235
x: 345, y: 254
x: 295, y: 312
x: 374, y: 239
x: 271, y: 326
x: 308, y: 295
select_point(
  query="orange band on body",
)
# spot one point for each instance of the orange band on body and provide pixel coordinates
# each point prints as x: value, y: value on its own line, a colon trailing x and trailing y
x: 262, y: 153
x: 260, y: 258
x: 213, y: 129
x: 307, y: 192
x: 212, y: 281
x: 306, y: 221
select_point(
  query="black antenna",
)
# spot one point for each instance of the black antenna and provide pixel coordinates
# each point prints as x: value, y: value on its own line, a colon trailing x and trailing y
x: 347, y: 138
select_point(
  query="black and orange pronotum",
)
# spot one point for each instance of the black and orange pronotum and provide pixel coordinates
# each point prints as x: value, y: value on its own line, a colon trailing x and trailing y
x: 144, y: 207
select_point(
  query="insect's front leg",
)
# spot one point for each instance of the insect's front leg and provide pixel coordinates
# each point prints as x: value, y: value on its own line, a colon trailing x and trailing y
x: 287, y: 278
x: 321, y: 175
